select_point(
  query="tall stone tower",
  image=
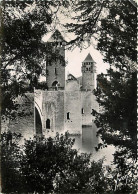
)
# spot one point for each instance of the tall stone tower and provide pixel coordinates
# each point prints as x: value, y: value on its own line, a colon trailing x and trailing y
x: 88, y: 74
x: 55, y: 66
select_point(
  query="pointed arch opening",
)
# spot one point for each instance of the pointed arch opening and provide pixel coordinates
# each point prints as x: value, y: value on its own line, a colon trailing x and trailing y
x: 68, y: 115
x: 54, y: 84
x: 48, y: 124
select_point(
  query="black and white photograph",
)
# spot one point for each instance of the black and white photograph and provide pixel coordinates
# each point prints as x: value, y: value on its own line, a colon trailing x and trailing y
x: 68, y: 96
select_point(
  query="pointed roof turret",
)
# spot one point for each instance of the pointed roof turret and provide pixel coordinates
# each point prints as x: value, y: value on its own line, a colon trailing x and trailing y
x: 89, y: 58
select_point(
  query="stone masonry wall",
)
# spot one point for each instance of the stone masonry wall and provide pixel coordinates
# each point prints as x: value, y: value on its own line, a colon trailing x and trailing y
x: 88, y: 81
x: 72, y: 85
x: 86, y: 100
x: 53, y: 109
x: 88, y: 103
x: 73, y: 107
x: 59, y: 75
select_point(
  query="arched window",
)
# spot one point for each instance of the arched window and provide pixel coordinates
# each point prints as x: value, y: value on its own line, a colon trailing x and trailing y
x: 82, y: 111
x: 55, y: 71
x: 48, y: 124
x: 54, y: 83
x: 68, y: 115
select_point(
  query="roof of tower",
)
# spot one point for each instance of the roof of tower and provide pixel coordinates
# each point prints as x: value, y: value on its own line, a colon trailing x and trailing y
x: 71, y: 77
x: 53, y: 36
x: 89, y: 58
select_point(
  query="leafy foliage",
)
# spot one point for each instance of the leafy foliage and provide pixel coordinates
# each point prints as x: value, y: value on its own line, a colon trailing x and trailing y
x: 118, y: 35
x: 117, y: 120
x: 49, y: 165
x: 11, y: 156
x: 116, y: 92
x: 115, y: 32
x: 23, y: 53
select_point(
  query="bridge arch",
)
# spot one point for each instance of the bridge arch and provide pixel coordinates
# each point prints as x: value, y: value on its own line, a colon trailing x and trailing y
x: 38, y: 122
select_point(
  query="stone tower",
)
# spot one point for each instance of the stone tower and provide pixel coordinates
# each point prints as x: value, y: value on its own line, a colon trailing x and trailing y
x: 88, y: 74
x: 55, y: 66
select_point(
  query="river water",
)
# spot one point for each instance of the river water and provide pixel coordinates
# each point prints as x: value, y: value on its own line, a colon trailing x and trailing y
x: 87, y: 142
